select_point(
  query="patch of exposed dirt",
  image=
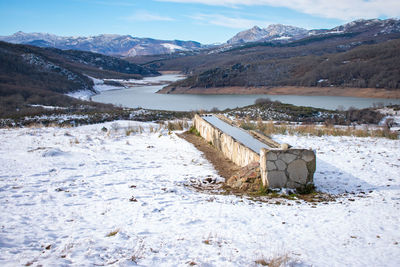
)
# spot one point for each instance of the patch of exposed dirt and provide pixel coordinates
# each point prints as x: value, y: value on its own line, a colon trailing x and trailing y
x: 222, y: 165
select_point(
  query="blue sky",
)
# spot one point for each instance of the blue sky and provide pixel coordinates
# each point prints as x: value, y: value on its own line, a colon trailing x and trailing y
x: 206, y: 21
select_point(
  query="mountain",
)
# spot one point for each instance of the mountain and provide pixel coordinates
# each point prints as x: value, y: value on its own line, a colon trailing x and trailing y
x: 373, y: 26
x: 318, y: 42
x: 284, y: 33
x: 274, y: 32
x: 107, y: 44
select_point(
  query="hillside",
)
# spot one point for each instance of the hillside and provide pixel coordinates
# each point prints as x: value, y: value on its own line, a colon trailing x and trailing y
x: 367, y: 66
x: 33, y: 75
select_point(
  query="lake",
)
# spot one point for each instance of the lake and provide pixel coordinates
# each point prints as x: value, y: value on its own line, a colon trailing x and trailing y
x: 144, y: 95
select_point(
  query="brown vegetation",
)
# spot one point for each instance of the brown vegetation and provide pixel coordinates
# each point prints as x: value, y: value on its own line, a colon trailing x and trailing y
x: 32, y: 75
x: 367, y: 66
x: 270, y: 128
x: 267, y: 110
x: 224, y: 166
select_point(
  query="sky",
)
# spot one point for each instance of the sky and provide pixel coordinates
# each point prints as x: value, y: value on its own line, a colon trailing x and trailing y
x: 205, y: 21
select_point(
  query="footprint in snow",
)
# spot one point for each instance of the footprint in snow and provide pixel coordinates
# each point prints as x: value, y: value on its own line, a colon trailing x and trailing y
x: 53, y: 152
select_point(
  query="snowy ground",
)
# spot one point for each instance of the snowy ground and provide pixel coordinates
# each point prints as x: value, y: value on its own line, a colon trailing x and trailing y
x: 157, y: 80
x: 99, y: 85
x: 84, y: 197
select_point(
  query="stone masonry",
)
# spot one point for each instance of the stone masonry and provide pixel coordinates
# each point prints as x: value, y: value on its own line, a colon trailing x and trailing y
x: 280, y: 165
x: 230, y: 148
x: 289, y: 168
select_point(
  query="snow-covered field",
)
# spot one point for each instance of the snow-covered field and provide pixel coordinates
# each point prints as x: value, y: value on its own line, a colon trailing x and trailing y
x: 84, y: 197
x: 98, y: 87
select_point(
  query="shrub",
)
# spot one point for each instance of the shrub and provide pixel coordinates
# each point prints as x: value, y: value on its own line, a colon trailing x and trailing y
x: 278, y: 261
x: 317, y: 130
x: 175, y: 126
x: 262, y: 100
x: 193, y: 130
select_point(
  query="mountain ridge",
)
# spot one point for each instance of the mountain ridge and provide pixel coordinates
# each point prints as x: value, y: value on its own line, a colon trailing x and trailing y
x: 108, y: 44
x: 128, y: 46
x: 288, y: 33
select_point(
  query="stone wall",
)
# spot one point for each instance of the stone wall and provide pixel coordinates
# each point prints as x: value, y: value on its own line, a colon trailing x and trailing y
x: 230, y: 148
x: 289, y: 168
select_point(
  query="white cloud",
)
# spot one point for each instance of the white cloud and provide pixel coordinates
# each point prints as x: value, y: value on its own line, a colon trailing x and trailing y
x: 221, y: 20
x: 338, y: 9
x: 143, y: 15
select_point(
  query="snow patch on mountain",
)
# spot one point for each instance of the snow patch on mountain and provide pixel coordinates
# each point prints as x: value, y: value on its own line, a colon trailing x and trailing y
x: 272, y: 32
x: 173, y: 47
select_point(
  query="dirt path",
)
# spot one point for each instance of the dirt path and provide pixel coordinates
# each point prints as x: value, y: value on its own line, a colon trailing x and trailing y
x: 224, y: 166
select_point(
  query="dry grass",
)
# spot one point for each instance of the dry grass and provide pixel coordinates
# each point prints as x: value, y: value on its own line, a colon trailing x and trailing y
x: 152, y: 129
x: 44, y: 125
x: 75, y: 141
x: 270, y: 128
x: 138, y: 251
x: 133, y: 129
x: 112, y: 233
x: 178, y: 125
x: 278, y: 261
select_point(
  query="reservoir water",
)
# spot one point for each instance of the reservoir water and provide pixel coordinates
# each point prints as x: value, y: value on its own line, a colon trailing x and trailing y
x: 145, y: 96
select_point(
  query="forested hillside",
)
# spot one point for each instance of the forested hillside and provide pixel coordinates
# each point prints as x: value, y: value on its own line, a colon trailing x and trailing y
x: 33, y: 75
x: 374, y: 66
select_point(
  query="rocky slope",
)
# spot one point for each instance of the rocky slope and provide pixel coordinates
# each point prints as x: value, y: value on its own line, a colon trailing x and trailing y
x: 274, y: 32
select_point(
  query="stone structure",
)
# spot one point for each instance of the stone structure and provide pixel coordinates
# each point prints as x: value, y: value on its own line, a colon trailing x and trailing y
x: 247, y: 179
x: 289, y: 168
x: 230, y: 148
x: 280, y: 165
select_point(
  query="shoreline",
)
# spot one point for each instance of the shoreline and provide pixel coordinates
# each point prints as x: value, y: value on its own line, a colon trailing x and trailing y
x: 163, y: 72
x: 287, y: 90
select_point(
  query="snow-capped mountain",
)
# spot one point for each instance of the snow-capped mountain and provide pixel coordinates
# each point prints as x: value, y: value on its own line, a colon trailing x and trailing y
x: 371, y: 27
x: 279, y: 32
x: 108, y: 44
x: 272, y: 32
x: 385, y: 26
